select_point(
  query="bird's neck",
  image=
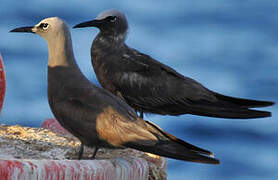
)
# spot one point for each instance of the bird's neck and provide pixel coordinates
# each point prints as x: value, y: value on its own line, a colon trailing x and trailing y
x: 104, y: 40
x: 62, y: 68
x: 60, y: 51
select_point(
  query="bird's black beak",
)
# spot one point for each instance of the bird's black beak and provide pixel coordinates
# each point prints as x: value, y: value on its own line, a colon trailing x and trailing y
x: 23, y: 29
x: 93, y: 23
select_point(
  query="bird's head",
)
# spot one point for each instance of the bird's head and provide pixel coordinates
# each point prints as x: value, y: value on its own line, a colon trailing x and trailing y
x: 56, y: 33
x: 48, y: 28
x: 110, y: 22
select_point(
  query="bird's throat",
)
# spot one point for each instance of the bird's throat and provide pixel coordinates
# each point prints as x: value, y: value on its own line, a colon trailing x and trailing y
x: 108, y: 40
x: 61, y: 52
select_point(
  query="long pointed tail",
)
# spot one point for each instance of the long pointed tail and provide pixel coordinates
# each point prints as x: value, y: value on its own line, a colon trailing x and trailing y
x: 173, y: 151
x: 231, y: 113
x: 247, y: 103
x: 181, y: 142
x: 168, y: 145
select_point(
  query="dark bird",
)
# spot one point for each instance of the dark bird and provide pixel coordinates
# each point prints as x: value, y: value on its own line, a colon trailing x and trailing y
x: 94, y: 115
x: 150, y: 86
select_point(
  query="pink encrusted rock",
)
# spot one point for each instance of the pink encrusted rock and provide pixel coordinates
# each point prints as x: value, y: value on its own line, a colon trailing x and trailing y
x: 54, y: 125
x: 37, y: 154
x: 72, y: 170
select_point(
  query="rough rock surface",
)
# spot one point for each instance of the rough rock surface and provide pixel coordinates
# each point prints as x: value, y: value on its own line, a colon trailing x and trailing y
x: 21, y: 144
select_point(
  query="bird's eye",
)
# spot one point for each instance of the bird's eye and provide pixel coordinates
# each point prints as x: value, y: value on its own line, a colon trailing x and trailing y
x: 44, y: 26
x: 112, y: 18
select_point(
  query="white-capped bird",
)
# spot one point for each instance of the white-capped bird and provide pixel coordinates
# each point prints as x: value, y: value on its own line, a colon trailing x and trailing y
x: 94, y: 115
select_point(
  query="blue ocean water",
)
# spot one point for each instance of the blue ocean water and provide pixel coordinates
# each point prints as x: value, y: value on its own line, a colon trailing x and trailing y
x: 229, y: 46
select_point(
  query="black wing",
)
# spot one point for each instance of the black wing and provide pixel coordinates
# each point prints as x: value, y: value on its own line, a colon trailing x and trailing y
x: 151, y: 86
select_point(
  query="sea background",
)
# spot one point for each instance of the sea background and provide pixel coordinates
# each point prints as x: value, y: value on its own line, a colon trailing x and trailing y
x: 231, y: 47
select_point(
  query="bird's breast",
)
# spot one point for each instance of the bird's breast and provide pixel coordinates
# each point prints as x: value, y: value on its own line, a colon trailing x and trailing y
x: 103, y: 74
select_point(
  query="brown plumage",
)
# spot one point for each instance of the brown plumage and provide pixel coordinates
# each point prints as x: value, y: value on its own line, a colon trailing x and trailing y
x: 94, y: 115
x: 150, y: 86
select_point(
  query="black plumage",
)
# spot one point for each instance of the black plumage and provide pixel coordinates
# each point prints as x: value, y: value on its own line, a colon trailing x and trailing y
x: 94, y: 115
x: 150, y: 86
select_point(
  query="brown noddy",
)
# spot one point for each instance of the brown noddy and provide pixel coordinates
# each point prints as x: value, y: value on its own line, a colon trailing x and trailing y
x: 94, y: 115
x: 150, y: 86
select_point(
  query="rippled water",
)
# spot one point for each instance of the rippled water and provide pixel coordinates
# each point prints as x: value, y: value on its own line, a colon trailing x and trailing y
x: 229, y: 46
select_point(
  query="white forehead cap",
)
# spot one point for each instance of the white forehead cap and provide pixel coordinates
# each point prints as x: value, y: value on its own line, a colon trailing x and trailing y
x: 112, y: 12
x: 54, y: 21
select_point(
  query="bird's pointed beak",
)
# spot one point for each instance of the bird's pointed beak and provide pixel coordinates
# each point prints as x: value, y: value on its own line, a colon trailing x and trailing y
x: 93, y: 23
x: 24, y: 29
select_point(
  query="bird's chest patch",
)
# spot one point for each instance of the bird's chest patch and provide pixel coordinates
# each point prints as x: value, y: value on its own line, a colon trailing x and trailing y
x: 104, y: 76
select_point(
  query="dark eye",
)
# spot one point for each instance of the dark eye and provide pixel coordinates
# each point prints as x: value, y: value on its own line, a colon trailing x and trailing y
x: 112, y: 18
x: 44, y: 25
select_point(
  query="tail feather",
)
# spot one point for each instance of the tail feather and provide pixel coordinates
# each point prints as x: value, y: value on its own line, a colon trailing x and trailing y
x: 247, y: 103
x: 231, y: 113
x: 179, y: 153
x: 173, y: 150
x: 222, y: 107
x: 168, y: 145
x: 181, y: 142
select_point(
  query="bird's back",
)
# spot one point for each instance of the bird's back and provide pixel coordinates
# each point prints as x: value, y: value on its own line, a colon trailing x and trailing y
x: 150, y: 86
x: 138, y: 78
